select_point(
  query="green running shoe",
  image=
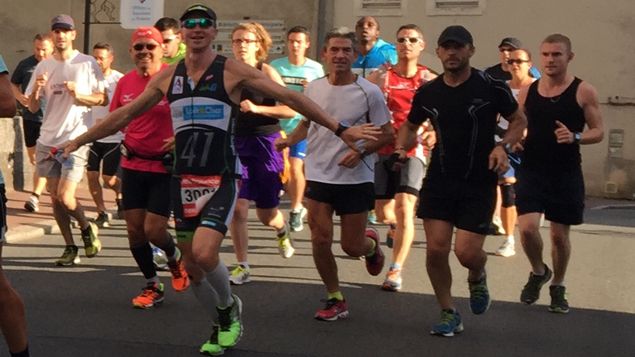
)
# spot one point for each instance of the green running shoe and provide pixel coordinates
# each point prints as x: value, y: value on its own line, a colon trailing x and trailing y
x: 449, y: 325
x: 231, y: 327
x: 559, y: 303
x: 531, y: 290
x: 92, y: 244
x: 211, y: 346
x: 69, y: 257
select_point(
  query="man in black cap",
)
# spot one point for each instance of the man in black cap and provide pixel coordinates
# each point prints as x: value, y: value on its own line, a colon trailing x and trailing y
x: 505, y: 48
x: 459, y: 190
x: 202, y: 91
x: 70, y: 83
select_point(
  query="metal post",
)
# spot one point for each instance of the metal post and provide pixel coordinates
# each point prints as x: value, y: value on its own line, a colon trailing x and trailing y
x: 87, y: 26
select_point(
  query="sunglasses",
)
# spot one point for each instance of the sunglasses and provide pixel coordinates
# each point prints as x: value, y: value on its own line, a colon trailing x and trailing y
x: 141, y: 46
x: 203, y: 23
x: 408, y: 39
x: 516, y: 61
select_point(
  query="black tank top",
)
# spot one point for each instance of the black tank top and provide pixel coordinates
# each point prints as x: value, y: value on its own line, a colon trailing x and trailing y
x: 542, y: 151
x: 203, y: 118
x: 256, y: 124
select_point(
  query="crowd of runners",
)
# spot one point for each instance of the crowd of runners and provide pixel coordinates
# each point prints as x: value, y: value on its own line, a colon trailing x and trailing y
x: 370, y: 129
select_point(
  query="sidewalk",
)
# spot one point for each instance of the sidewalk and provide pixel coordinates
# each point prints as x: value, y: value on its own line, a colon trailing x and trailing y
x: 28, y: 225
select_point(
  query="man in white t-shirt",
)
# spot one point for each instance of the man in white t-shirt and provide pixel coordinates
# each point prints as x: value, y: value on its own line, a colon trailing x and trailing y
x: 340, y: 179
x: 105, y: 152
x: 70, y: 83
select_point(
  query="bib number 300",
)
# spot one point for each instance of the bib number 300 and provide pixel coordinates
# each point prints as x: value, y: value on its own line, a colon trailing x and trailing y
x: 196, y: 191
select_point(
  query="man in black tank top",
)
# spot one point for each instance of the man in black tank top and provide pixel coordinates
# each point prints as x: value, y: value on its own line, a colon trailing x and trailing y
x: 550, y: 181
x: 202, y: 89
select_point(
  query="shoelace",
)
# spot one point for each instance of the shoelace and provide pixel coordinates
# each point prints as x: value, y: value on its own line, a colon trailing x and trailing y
x: 447, y: 317
x: 478, y: 290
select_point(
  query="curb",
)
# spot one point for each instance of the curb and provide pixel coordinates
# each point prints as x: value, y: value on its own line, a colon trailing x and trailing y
x: 31, y: 231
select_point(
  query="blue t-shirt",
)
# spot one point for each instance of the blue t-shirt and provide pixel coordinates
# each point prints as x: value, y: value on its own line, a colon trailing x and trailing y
x: 296, y: 77
x: 3, y: 70
x: 380, y: 54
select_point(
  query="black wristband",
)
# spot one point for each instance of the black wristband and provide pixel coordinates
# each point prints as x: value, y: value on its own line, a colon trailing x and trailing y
x: 340, y: 129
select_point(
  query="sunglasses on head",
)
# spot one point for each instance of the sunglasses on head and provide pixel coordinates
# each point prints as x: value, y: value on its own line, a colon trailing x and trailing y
x: 408, y: 39
x: 516, y: 61
x: 141, y: 46
x: 203, y: 23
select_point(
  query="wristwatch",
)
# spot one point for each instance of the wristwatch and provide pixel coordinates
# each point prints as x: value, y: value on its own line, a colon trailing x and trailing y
x: 577, y: 137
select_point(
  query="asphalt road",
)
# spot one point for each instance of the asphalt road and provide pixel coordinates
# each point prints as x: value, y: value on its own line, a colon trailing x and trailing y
x: 86, y: 311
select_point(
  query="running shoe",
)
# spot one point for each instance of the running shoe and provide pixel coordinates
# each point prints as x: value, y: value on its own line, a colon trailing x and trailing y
x: 390, y: 237
x: 180, y: 279
x: 285, y: 247
x: 479, y: 296
x: 559, y: 303
x: 531, y: 291
x: 92, y: 244
x: 119, y: 202
x: 507, y: 249
x: 102, y: 220
x: 211, y: 346
x: 296, y: 219
x: 392, y: 281
x: 496, y: 227
x: 333, y: 310
x: 231, y: 326
x: 32, y: 204
x: 151, y: 295
x: 239, y: 275
x: 449, y: 325
x: 69, y: 257
x: 374, y: 263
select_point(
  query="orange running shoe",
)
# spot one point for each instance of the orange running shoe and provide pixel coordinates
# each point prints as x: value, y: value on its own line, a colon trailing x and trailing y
x: 150, y: 296
x: 180, y: 279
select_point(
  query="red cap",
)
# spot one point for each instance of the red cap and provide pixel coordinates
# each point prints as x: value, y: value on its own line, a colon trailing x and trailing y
x: 147, y: 32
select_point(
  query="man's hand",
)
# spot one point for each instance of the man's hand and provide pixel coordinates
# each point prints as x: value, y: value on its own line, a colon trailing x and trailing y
x: 365, y: 131
x: 23, y: 99
x: 563, y: 134
x: 498, y: 160
x: 350, y: 159
x: 247, y: 106
x: 70, y: 86
x: 40, y: 81
x: 396, y: 161
x: 281, y: 143
x: 68, y: 147
x: 168, y: 144
x: 428, y: 139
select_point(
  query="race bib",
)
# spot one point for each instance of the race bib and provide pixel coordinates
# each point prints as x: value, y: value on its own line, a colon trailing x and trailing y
x: 196, y: 191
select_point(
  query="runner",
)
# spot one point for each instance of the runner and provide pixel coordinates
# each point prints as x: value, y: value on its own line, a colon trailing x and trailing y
x: 173, y: 45
x: 202, y: 90
x: 396, y: 192
x: 12, y: 320
x: 105, y: 152
x: 340, y: 179
x: 70, y: 83
x: 459, y: 190
x: 262, y: 166
x: 31, y: 122
x: 550, y: 180
x: 373, y: 52
x: 297, y: 71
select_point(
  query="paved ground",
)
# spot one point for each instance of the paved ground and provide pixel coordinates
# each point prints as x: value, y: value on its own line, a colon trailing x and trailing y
x: 85, y: 310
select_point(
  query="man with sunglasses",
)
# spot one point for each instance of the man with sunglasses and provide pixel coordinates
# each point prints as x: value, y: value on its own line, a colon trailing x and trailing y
x: 397, y: 189
x: 202, y: 90
x: 173, y: 46
x: 70, y: 83
x: 459, y: 190
x: 501, y: 69
x: 145, y: 179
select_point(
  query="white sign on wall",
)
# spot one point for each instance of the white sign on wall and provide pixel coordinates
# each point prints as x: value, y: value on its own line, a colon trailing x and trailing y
x: 135, y: 13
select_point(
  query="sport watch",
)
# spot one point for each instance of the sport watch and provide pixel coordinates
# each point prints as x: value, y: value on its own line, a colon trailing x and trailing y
x: 577, y: 137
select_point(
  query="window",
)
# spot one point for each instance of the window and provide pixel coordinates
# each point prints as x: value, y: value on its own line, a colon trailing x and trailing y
x: 455, y: 7
x: 379, y: 7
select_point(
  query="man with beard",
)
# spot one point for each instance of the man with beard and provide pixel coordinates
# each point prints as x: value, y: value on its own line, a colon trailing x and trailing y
x: 70, y: 82
x: 202, y: 90
x: 373, y: 52
x: 459, y: 190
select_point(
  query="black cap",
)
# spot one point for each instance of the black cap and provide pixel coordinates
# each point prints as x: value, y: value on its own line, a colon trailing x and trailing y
x: 201, y: 9
x: 62, y: 22
x: 456, y: 33
x: 512, y: 42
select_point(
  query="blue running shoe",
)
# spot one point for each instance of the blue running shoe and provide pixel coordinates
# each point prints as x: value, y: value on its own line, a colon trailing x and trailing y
x: 449, y: 325
x: 479, y: 296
